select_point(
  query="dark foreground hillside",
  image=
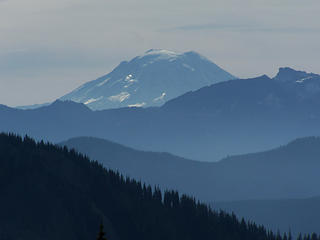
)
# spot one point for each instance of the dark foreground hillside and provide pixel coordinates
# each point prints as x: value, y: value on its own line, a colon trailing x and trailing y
x: 49, y: 192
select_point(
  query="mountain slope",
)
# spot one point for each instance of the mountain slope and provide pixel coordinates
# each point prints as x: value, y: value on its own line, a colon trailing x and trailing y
x: 52, y: 193
x: 297, y: 215
x: 227, y: 118
x: 290, y: 171
x: 158, y: 169
x: 149, y: 80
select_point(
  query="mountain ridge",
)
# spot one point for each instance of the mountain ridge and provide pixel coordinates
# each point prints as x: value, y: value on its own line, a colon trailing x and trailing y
x: 53, y: 193
x: 249, y: 176
x: 207, y: 124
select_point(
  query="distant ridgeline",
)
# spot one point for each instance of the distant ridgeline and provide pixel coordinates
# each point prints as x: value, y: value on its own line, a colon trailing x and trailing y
x: 228, y: 118
x: 49, y: 192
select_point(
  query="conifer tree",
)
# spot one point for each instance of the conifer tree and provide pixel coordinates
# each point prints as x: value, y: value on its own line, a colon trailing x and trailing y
x: 101, y: 235
x: 314, y: 236
x: 278, y: 236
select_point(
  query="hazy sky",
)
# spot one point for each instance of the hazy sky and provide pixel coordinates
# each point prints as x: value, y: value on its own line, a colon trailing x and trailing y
x: 48, y: 48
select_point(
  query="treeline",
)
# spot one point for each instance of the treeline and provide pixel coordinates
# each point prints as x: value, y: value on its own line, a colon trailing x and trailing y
x: 50, y: 192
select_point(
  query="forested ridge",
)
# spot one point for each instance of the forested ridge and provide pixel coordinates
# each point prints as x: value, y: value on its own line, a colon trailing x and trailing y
x: 250, y: 176
x: 50, y: 192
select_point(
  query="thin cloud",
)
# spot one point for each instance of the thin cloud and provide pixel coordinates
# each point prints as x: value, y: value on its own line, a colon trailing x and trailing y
x: 243, y: 28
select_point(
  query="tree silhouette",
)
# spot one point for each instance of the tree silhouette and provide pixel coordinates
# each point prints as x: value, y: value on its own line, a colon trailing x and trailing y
x: 101, y: 235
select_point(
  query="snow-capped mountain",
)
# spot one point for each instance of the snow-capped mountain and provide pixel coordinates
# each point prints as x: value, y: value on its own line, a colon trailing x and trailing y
x: 149, y: 80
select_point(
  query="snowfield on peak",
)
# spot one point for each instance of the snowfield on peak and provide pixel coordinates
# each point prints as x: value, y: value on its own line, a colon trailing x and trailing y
x: 160, y: 53
x: 150, y: 79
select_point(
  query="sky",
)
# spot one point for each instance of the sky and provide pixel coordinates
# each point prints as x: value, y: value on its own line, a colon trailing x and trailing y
x: 48, y: 48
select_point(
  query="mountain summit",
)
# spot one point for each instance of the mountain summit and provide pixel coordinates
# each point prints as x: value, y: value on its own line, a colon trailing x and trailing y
x: 149, y: 80
x: 287, y: 74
